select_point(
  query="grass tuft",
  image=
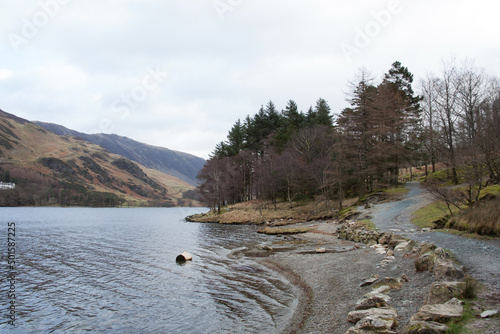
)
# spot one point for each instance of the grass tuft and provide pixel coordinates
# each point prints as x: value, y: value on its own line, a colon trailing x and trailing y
x: 458, y: 326
x: 430, y: 216
x: 483, y: 218
x: 471, y: 288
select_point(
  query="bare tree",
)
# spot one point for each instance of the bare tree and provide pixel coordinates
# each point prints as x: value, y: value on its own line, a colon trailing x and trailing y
x: 447, y: 100
x: 428, y: 89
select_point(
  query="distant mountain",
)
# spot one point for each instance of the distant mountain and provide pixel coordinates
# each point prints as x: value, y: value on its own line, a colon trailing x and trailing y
x: 51, y: 169
x: 181, y: 165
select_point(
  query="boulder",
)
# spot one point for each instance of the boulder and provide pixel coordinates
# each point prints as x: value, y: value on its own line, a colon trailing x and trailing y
x: 380, y: 289
x: 393, y: 283
x: 404, y: 246
x: 442, y: 313
x: 372, y: 300
x: 441, y: 292
x: 380, y: 249
x: 369, y: 281
x: 385, y: 239
x: 442, y: 253
x: 386, y: 260
x: 447, y: 269
x: 425, y: 327
x: 376, y: 324
x: 425, y: 262
x: 395, y: 240
x: 382, y: 313
x: 426, y: 247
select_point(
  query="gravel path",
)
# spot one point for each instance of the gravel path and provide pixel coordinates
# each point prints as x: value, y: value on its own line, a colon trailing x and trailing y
x: 329, y: 283
x: 480, y: 257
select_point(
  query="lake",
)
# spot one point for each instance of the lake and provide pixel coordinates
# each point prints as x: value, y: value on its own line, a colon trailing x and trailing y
x: 113, y: 270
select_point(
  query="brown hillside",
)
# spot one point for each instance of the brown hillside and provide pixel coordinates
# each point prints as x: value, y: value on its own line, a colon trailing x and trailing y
x: 72, y: 163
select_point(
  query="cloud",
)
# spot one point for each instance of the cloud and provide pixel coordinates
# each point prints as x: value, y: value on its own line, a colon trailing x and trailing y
x: 5, y: 74
x: 224, y: 58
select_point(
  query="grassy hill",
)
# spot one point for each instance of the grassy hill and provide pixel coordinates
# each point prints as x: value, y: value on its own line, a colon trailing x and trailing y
x: 49, y: 169
x: 181, y: 165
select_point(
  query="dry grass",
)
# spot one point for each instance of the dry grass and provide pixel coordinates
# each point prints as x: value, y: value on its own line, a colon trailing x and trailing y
x: 285, y: 230
x: 260, y: 212
x: 484, y: 218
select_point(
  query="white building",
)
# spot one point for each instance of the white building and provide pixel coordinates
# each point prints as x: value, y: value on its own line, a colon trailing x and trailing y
x: 7, y: 185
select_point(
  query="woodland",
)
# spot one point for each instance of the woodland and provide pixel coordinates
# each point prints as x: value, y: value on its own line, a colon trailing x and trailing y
x: 452, y: 120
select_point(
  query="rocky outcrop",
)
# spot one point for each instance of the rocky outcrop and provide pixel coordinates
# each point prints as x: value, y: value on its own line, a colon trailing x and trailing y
x: 440, y: 262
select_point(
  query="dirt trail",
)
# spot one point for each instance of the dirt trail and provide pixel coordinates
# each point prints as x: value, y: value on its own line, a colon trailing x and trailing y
x: 481, y: 258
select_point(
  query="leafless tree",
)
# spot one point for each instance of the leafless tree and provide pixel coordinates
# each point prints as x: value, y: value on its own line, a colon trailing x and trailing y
x: 447, y: 100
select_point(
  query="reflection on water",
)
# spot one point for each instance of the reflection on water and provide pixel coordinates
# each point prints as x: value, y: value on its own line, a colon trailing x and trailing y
x: 114, y: 271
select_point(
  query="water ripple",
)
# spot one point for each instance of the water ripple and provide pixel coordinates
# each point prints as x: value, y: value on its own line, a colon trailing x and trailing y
x: 113, y: 271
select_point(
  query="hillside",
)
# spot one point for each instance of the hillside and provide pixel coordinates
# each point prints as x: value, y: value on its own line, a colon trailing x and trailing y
x: 181, y: 165
x: 50, y: 169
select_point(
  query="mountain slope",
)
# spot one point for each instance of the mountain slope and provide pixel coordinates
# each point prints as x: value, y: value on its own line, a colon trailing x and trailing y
x: 181, y: 165
x: 49, y: 169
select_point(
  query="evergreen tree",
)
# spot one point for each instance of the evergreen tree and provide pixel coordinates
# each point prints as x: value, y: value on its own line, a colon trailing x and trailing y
x: 235, y: 139
x: 322, y: 112
x: 399, y: 110
x: 358, y: 124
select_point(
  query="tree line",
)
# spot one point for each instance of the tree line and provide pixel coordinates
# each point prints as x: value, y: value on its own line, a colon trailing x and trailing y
x: 36, y: 189
x: 292, y: 155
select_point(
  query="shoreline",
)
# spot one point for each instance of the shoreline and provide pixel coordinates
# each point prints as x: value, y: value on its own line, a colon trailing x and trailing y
x: 304, y: 299
x: 328, y: 284
x: 331, y: 284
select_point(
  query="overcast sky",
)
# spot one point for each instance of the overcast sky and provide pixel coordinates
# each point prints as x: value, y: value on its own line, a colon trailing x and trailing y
x: 179, y: 73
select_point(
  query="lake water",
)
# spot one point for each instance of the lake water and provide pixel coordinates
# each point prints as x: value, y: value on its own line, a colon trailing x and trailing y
x: 113, y: 270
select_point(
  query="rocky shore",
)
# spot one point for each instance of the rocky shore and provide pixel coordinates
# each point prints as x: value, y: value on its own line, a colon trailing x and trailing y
x: 356, y: 280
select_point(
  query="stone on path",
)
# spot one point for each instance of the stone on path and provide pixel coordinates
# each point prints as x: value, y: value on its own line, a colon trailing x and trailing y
x: 372, y: 300
x: 490, y: 313
x: 383, y: 313
x: 425, y: 327
x: 442, y: 313
x: 447, y: 269
x: 441, y: 292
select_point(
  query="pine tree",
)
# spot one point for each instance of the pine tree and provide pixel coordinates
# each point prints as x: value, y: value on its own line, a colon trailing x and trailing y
x: 323, y: 116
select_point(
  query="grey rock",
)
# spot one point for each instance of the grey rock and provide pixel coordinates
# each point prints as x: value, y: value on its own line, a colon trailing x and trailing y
x: 425, y: 262
x: 442, y: 313
x: 425, y: 327
x: 447, y: 269
x: 372, y: 300
x: 369, y: 281
x: 441, y: 292
x: 376, y: 324
x: 383, y: 313
x: 490, y: 313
